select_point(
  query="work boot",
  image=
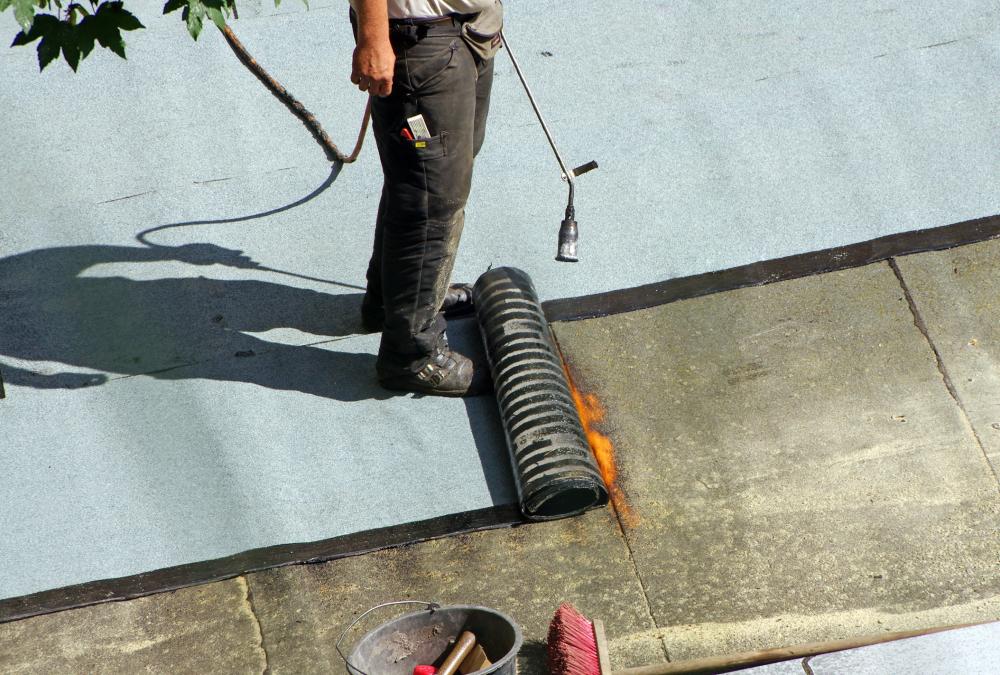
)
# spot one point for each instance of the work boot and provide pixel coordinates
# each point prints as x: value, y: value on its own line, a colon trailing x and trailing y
x: 457, y: 302
x: 443, y: 373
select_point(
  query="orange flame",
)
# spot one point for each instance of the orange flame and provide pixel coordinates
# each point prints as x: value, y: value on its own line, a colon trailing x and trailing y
x: 592, y: 414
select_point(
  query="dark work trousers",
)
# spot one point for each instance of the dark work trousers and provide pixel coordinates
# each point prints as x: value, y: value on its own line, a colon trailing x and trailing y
x: 427, y: 182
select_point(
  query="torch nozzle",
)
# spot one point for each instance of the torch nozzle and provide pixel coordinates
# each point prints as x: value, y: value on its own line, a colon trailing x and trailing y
x: 568, y: 235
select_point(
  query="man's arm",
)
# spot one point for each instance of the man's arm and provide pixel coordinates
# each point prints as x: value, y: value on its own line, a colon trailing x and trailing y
x: 374, y: 61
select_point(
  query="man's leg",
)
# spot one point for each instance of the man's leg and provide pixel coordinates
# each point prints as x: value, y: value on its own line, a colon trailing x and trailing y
x: 427, y: 183
x: 372, y: 311
x: 458, y: 298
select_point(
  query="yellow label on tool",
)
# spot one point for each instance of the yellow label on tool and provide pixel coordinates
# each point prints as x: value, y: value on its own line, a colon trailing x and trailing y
x: 420, y: 144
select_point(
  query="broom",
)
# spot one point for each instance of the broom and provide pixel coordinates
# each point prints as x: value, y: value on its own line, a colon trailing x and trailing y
x: 577, y: 646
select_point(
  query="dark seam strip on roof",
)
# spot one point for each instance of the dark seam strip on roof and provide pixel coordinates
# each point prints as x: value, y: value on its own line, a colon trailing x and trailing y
x: 193, y: 574
x: 770, y: 271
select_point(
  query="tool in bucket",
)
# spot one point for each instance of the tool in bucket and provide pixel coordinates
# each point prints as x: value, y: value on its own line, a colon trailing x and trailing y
x: 462, y: 638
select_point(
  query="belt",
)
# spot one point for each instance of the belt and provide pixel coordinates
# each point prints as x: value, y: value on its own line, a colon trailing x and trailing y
x: 450, y: 20
x: 414, y: 30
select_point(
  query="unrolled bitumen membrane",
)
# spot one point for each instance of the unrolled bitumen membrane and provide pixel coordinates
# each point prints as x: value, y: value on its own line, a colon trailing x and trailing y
x: 170, y: 404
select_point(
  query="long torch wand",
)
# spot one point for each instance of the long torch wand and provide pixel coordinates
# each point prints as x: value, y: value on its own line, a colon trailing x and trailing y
x: 568, y: 231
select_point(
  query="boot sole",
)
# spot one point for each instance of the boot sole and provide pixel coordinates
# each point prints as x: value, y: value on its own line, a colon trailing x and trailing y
x: 400, y: 386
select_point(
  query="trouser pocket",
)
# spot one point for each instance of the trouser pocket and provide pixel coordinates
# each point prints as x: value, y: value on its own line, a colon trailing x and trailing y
x: 426, y: 149
x: 425, y: 65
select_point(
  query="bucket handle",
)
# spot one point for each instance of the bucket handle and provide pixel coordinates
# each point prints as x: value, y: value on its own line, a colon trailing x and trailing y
x: 432, y: 606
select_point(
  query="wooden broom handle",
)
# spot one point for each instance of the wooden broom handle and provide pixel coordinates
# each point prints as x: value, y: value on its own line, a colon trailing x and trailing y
x: 765, y: 656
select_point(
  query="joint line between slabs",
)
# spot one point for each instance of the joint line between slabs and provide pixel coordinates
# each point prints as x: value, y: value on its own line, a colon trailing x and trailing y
x: 248, y: 599
x: 642, y: 584
x: 918, y: 321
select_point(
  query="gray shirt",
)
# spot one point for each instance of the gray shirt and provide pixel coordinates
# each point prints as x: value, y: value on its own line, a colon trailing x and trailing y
x: 427, y: 9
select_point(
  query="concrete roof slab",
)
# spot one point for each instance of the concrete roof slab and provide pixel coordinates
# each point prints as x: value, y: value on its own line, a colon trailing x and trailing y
x: 955, y: 293
x: 790, y: 453
x: 210, y: 628
x: 524, y: 572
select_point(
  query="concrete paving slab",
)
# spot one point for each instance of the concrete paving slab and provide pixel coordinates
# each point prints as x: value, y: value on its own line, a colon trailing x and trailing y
x: 794, y: 461
x: 967, y: 651
x: 956, y: 292
x: 206, y: 629
x: 525, y: 572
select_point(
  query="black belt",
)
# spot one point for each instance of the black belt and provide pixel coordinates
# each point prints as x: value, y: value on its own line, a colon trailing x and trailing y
x: 414, y: 30
x: 451, y: 20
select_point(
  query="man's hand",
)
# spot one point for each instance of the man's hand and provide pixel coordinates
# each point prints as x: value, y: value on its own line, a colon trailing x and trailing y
x: 373, y: 66
x: 374, y: 61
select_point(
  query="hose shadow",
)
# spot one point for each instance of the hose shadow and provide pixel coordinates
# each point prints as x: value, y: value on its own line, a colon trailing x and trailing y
x: 182, y: 327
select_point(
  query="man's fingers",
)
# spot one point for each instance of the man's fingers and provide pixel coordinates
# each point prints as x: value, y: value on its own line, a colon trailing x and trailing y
x: 376, y: 86
x: 372, y: 68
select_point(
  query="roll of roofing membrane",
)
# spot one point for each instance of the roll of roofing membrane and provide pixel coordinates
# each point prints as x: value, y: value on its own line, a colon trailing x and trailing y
x: 554, y: 469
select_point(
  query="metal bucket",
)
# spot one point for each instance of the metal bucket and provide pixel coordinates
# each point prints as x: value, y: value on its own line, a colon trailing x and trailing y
x: 425, y: 637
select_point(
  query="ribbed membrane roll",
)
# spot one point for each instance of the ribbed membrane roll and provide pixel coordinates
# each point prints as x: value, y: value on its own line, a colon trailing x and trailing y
x: 554, y: 469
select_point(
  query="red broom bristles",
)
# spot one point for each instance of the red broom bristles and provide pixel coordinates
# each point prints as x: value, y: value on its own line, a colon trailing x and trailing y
x: 572, y: 645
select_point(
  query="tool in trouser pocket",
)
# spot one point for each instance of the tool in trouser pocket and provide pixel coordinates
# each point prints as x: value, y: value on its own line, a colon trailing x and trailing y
x: 568, y: 231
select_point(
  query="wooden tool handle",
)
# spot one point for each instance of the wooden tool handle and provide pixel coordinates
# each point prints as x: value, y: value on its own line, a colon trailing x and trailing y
x: 475, y: 661
x: 466, y: 641
x: 746, y: 659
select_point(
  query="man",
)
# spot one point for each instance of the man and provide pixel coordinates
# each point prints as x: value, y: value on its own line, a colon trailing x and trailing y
x: 412, y: 58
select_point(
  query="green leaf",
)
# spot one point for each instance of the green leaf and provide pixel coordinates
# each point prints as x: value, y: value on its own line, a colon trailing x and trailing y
x: 75, y: 40
x: 111, y: 39
x: 43, y: 25
x: 194, y: 14
x: 4, y: 4
x: 70, y: 48
x: 86, y: 33
x: 103, y: 27
x: 118, y: 16
x: 216, y: 15
x: 171, y: 6
x: 84, y: 40
x: 124, y: 19
x: 24, y: 12
x: 48, y: 50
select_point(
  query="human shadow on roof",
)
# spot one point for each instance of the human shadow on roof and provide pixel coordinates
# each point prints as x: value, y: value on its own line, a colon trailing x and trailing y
x: 55, y: 307
x: 173, y: 328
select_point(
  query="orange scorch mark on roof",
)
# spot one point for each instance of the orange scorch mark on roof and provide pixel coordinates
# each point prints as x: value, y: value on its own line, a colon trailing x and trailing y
x: 592, y: 414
